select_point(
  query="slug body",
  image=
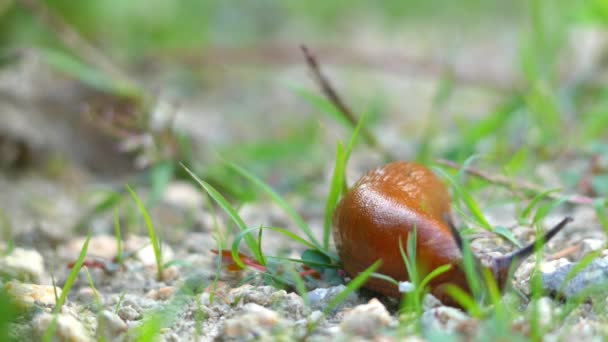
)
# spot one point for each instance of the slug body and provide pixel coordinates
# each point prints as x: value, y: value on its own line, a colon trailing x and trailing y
x: 385, y: 206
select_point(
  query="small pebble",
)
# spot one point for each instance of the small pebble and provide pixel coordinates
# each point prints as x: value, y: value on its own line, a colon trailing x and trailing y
x: 255, y: 322
x: 31, y: 294
x: 163, y: 293
x: 183, y: 195
x: 170, y: 274
x: 128, y: 313
x: 110, y: 326
x: 320, y: 297
x: 102, y: 246
x: 443, y: 318
x: 22, y: 264
x: 593, y: 278
x: 366, y: 320
x: 88, y: 295
x: 68, y: 328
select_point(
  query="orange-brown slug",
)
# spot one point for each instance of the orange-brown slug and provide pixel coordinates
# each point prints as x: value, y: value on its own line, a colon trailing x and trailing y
x: 384, y: 206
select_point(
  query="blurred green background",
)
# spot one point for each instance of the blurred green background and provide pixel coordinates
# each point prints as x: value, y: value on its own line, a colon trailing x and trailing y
x: 543, y: 97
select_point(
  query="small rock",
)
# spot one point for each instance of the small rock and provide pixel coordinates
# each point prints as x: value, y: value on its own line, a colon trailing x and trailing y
x: 102, y: 246
x: 110, y: 326
x: 255, y: 322
x: 320, y: 297
x: 88, y: 295
x: 251, y: 294
x: 443, y: 318
x: 32, y: 294
x: 170, y: 274
x: 22, y: 264
x: 590, y: 245
x: 545, y: 311
x: 429, y: 302
x: 163, y: 293
x: 366, y: 320
x: 290, y: 305
x: 129, y: 313
x: 68, y: 328
x: 148, y: 258
x: 183, y: 195
x: 592, y: 278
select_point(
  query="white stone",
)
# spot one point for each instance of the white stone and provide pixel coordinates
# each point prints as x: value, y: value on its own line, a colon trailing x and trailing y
x: 32, y: 294
x: 68, y: 328
x: 110, y: 326
x: 183, y: 195
x: 366, y: 320
x: 23, y: 264
x: 256, y: 321
x: 443, y: 318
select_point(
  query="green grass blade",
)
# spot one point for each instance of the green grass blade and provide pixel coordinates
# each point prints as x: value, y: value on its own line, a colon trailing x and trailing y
x: 151, y: 232
x: 223, y: 203
x: 535, y: 201
x: 291, y: 212
x: 385, y: 278
x: 464, y: 299
x: 467, y: 199
x: 246, y: 232
x: 434, y: 274
x: 352, y: 286
x: 544, y: 210
x: 73, y: 273
x: 507, y: 235
x: 338, y: 180
x: 118, y: 236
x: 50, y: 331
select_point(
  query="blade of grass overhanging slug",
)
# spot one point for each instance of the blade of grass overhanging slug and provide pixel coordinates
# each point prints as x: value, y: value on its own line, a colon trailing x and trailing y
x: 465, y: 166
x: 338, y: 181
x: 352, y: 286
x: 467, y: 198
x: 385, y: 278
x: 223, y: 203
x: 544, y: 210
x: 434, y: 274
x: 289, y: 210
x: 335, y: 190
x: 246, y: 232
x: 151, y: 232
x: 534, y: 202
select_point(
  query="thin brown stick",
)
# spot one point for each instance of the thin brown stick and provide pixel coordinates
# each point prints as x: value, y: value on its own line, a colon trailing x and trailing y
x: 332, y: 95
x: 565, y: 252
x: 517, y: 186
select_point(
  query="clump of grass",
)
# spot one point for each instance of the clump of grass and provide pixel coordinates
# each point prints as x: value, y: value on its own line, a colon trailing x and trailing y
x: 154, y: 240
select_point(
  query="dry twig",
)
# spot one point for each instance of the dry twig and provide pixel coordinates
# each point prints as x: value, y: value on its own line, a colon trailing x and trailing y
x: 332, y: 95
x: 517, y: 186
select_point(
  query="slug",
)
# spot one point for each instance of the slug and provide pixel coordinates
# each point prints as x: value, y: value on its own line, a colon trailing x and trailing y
x: 384, y: 206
